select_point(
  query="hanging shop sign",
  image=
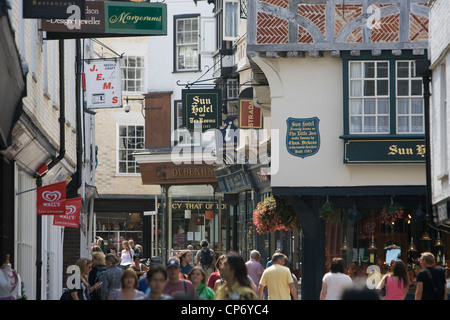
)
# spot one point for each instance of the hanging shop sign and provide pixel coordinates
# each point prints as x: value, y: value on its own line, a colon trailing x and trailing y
x: 54, y: 9
x: 228, y: 140
x: 103, y: 84
x: 302, y: 136
x: 203, y: 108
x: 71, y: 218
x: 385, y: 151
x: 250, y: 116
x: 111, y: 19
x: 51, y: 199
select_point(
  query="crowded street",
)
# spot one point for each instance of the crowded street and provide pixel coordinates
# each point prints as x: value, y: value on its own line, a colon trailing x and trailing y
x: 261, y: 154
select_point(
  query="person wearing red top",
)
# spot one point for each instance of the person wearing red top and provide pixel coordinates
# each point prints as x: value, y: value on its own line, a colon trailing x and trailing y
x: 215, y: 276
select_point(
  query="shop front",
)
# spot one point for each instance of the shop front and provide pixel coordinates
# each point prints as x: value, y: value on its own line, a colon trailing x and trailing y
x: 118, y: 218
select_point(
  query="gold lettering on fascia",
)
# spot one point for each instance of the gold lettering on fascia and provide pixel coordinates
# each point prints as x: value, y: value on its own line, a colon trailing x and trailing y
x: 192, y: 172
x: 420, y: 150
x: 126, y: 17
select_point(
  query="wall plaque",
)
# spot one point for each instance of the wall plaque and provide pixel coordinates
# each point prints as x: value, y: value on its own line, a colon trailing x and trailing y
x: 302, y: 136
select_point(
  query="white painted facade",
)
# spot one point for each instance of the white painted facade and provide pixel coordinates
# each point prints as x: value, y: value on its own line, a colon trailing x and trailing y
x: 312, y: 87
x: 439, y: 115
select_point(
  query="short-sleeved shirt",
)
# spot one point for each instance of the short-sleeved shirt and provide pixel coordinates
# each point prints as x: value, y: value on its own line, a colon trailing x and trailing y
x: 438, y: 276
x: 336, y: 283
x: 181, y: 288
x: 277, y: 279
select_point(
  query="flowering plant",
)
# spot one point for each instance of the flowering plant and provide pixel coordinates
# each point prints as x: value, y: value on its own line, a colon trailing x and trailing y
x: 390, y: 214
x: 274, y: 214
x: 327, y: 211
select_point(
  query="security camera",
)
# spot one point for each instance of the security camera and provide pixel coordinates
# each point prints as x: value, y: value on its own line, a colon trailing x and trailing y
x: 126, y: 108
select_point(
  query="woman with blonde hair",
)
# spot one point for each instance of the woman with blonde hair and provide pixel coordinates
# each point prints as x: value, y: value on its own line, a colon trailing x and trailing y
x: 83, y: 293
x: 129, y: 283
x: 126, y: 254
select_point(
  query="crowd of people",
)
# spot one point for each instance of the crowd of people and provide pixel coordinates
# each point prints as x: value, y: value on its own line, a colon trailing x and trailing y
x: 208, y: 276
x: 431, y: 283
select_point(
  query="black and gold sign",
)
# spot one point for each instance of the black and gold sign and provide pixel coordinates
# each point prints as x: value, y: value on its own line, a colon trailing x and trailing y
x: 385, y: 151
x: 202, y: 107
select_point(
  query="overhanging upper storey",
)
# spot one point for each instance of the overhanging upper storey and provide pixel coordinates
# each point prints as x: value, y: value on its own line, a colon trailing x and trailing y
x: 298, y: 27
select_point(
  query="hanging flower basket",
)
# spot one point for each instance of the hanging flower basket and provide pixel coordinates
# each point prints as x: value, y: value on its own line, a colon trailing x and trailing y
x: 327, y: 212
x: 391, y: 214
x: 274, y: 214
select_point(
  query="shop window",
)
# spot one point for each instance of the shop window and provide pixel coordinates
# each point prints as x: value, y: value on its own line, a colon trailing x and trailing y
x: 114, y: 228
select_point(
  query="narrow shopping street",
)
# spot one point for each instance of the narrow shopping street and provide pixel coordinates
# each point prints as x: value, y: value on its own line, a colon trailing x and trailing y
x: 195, y: 150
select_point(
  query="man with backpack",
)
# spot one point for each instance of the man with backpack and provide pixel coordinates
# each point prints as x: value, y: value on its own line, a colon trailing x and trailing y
x: 206, y: 258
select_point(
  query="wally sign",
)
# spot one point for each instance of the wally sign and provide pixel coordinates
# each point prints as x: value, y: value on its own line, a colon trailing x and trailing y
x: 51, y: 199
x: 103, y: 84
x: 72, y: 217
x: 302, y: 136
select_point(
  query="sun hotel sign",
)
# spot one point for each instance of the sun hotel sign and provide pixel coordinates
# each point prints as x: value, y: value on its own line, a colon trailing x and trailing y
x: 111, y: 19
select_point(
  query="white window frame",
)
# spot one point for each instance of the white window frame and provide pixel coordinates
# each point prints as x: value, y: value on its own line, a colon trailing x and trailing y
x: 363, y: 115
x: 118, y: 149
x: 194, y: 43
x: 125, y: 79
x: 231, y: 27
x: 409, y: 97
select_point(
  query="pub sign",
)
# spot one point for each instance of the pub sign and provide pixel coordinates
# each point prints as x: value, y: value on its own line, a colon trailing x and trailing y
x: 202, y: 107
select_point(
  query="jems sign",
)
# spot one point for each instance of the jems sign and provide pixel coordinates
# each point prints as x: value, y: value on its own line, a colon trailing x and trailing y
x: 103, y: 84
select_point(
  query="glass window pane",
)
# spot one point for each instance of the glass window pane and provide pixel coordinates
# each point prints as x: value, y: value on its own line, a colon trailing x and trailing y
x: 355, y: 69
x: 180, y: 25
x: 417, y: 124
x: 369, y: 69
x: 416, y: 87
x: 122, y: 167
x: 403, y: 124
x: 382, y: 87
x: 355, y: 88
x: 416, y: 106
x: 402, y: 87
x: 369, y: 88
x: 383, y: 124
x: 383, y: 106
x: 131, y: 131
x: 369, y: 124
x: 355, y: 124
x: 382, y: 70
x: 402, y: 69
x: 403, y: 106
x: 355, y: 106
x: 122, y: 131
x: 369, y: 106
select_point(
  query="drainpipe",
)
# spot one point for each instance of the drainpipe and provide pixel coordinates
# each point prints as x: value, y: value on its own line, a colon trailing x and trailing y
x: 55, y: 160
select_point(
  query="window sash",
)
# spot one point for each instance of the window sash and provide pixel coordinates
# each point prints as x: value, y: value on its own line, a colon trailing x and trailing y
x: 133, y: 73
x: 369, y: 110
x: 409, y: 99
x: 131, y: 139
x: 187, y: 44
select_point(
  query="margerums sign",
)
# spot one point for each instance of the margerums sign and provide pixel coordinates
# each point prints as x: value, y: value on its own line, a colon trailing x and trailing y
x: 51, y: 199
